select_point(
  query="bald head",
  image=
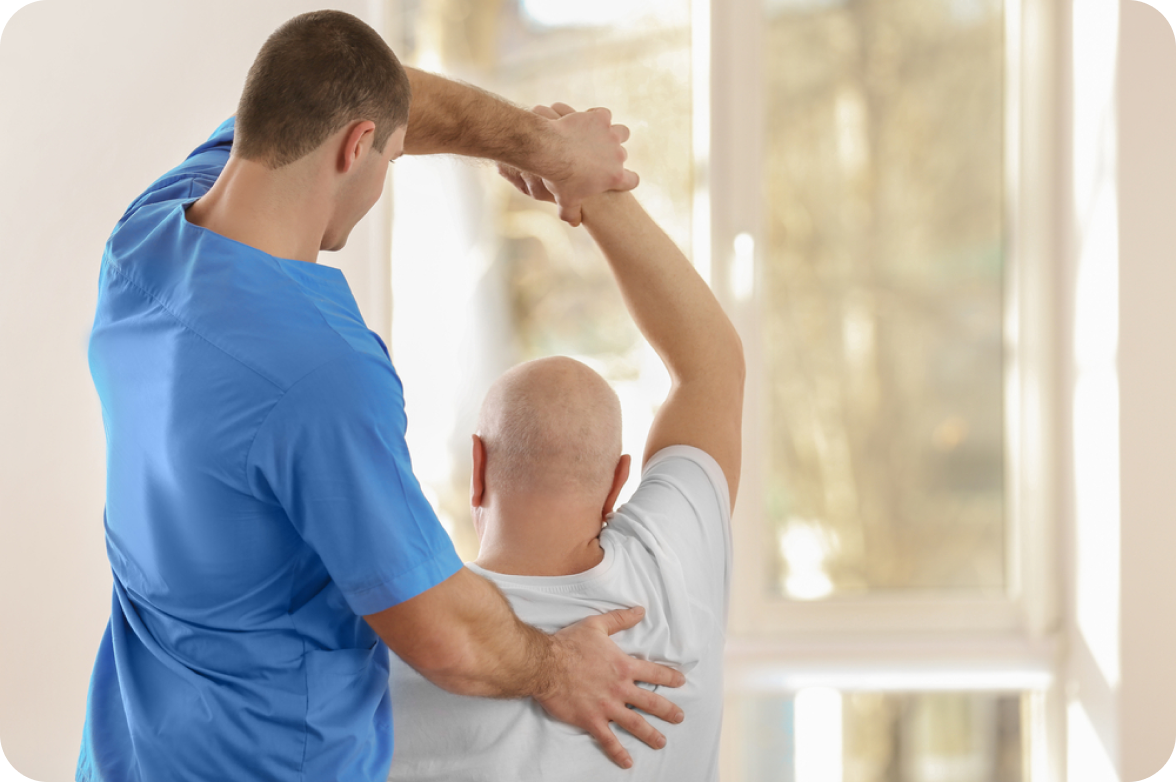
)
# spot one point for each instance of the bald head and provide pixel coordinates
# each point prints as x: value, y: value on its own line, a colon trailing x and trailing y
x: 551, y: 425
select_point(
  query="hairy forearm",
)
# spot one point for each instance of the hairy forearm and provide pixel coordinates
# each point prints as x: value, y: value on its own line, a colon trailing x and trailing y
x: 488, y: 651
x: 456, y: 118
x: 672, y: 306
x: 463, y: 636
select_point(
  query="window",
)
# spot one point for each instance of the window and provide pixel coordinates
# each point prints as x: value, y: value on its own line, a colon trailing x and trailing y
x: 845, y: 174
x: 822, y: 733
x: 881, y: 296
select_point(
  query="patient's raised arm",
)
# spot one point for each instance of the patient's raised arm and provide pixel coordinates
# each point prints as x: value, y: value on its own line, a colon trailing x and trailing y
x: 683, y: 321
x: 679, y: 315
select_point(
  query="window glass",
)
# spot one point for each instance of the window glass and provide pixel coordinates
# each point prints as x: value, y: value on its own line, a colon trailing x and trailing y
x: 881, y: 293
x: 825, y: 734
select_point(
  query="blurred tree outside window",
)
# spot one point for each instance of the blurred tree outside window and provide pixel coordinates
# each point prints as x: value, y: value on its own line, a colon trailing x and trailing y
x: 882, y: 288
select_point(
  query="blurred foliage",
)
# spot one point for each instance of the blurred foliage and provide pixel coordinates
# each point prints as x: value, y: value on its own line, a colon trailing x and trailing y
x: 882, y: 289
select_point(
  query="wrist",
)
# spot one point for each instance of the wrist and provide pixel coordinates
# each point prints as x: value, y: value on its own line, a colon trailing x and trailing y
x: 550, y: 156
x: 597, y: 208
x: 553, y: 668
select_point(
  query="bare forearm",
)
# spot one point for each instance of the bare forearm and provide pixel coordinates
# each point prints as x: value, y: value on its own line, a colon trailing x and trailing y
x: 481, y: 648
x: 450, y: 117
x: 463, y: 636
x: 672, y: 306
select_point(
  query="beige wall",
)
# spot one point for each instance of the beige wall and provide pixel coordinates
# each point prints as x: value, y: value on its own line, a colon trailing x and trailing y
x: 96, y: 100
x: 1147, y: 371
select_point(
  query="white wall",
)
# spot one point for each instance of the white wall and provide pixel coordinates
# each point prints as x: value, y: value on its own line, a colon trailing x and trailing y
x: 97, y: 99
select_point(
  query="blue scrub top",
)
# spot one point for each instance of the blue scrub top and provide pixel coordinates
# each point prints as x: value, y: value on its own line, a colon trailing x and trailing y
x: 259, y: 501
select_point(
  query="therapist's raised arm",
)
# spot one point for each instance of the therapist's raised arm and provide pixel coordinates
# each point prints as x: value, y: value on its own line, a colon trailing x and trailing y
x: 463, y: 636
x: 578, y: 155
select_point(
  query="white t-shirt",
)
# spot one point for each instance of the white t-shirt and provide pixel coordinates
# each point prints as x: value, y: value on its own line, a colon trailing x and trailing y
x: 667, y: 549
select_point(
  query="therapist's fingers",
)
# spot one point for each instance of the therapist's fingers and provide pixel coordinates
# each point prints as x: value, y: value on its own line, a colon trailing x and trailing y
x: 611, y: 745
x: 653, y: 673
x: 514, y: 176
x: 618, y: 619
x: 546, y: 112
x: 633, y: 722
x: 654, y: 704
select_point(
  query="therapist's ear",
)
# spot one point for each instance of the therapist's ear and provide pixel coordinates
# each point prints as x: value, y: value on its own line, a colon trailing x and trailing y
x: 359, y: 134
x: 478, y: 473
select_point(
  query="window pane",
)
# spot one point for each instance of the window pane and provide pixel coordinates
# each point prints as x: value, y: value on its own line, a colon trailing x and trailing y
x: 882, y: 295
x: 634, y: 58
x: 821, y: 734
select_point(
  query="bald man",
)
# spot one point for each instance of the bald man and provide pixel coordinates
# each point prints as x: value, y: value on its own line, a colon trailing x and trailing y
x: 547, y: 469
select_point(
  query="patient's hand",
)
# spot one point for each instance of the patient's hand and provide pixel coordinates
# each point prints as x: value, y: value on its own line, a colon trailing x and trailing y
x: 593, y: 160
x: 596, y: 682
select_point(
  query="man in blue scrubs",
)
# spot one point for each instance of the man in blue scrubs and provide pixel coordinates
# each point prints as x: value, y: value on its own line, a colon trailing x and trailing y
x: 267, y: 537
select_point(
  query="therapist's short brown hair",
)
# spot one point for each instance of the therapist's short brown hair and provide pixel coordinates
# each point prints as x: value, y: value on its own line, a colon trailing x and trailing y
x: 316, y: 74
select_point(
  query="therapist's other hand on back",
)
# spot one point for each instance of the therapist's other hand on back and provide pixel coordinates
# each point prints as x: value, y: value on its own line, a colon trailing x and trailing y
x: 595, y: 683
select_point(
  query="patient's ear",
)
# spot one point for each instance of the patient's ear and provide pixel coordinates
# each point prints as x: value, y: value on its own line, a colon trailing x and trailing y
x: 620, y: 475
x: 478, y: 473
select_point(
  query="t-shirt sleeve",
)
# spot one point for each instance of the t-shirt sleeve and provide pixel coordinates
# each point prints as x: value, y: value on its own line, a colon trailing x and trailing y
x: 332, y: 453
x: 196, y: 175
x: 683, y: 503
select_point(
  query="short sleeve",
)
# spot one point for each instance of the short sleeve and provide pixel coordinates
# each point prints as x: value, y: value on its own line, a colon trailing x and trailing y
x: 332, y: 453
x: 196, y: 175
x: 683, y: 503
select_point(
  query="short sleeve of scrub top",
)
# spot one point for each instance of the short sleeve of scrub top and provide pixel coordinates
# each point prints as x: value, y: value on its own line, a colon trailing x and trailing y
x: 332, y: 453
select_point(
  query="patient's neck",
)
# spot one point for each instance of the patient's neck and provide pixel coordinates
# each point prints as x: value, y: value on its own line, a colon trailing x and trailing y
x: 538, y: 536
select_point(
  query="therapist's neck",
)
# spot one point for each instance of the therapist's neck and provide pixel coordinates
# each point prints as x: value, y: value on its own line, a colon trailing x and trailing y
x: 283, y: 212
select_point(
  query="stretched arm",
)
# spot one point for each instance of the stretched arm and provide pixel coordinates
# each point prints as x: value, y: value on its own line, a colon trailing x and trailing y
x: 578, y: 155
x: 685, y: 324
x: 463, y: 636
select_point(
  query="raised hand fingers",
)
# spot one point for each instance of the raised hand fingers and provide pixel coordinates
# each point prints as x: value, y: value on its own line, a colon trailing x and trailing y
x: 547, y: 112
x: 630, y: 180
x: 621, y: 132
x: 603, y: 112
x: 570, y: 214
x: 514, y: 176
x: 562, y: 109
x: 536, y: 188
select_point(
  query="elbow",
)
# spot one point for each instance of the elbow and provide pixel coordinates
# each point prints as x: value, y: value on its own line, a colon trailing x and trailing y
x: 446, y: 659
